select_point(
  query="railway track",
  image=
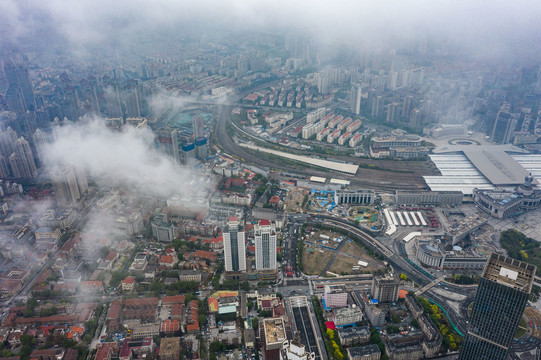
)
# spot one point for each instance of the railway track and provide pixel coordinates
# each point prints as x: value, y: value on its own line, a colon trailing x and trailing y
x: 230, y: 146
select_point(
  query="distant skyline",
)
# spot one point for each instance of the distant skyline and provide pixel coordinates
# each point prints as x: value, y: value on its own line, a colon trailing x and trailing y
x: 496, y: 30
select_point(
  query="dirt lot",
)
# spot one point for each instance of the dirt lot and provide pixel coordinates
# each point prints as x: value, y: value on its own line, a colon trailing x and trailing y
x: 293, y: 200
x: 349, y: 256
x: 315, y: 261
x: 316, y: 257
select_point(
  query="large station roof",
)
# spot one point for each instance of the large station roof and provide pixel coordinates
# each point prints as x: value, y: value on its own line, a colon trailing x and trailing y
x: 496, y: 165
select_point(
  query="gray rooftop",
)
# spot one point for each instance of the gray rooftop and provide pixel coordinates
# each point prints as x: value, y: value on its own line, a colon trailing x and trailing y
x: 496, y: 165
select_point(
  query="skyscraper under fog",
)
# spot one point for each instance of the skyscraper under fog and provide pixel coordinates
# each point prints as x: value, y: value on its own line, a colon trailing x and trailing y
x: 502, y: 295
x: 355, y: 99
x: 20, y: 95
x: 70, y: 184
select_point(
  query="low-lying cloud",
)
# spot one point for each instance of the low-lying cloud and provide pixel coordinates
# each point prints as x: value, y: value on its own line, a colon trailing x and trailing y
x: 490, y: 28
x: 123, y: 159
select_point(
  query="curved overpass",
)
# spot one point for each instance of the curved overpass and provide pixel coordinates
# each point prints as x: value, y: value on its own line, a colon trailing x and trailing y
x: 399, y: 264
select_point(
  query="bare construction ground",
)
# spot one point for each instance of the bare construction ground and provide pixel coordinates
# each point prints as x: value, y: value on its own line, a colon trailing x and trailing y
x: 349, y: 256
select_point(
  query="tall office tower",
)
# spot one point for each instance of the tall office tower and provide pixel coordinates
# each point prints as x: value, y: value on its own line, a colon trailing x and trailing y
x: 40, y: 141
x: 17, y: 168
x: 234, y: 248
x: 415, y: 118
x: 131, y: 100
x: 4, y: 169
x: 14, y: 100
x: 393, y: 112
x: 323, y: 83
x: 265, y: 245
x: 497, y: 309
x: 69, y: 184
x: 504, y: 126
x: 72, y: 105
x: 197, y: 126
x: 392, y: 80
x: 377, y: 105
x: 407, y: 105
x: 7, y: 141
x: 28, y: 166
x: 82, y: 180
x: 112, y: 98
x: 385, y: 288
x: 91, y: 104
x: 355, y: 99
x: 18, y: 77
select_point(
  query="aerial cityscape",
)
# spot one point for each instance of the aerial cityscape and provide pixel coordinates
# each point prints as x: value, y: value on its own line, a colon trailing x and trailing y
x: 270, y: 180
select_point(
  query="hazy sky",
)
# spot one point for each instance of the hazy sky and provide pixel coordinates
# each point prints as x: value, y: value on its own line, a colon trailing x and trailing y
x: 491, y: 27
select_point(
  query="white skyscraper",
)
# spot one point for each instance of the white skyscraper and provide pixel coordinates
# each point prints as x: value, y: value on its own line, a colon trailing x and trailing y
x: 234, y: 247
x: 265, y: 245
x: 355, y: 99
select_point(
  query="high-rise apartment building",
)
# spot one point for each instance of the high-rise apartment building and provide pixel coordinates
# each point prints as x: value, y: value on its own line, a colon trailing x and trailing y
x: 197, y: 126
x: 265, y: 245
x: 28, y: 164
x: 70, y: 183
x: 502, y: 295
x: 234, y: 247
x: 385, y: 288
x: 355, y: 99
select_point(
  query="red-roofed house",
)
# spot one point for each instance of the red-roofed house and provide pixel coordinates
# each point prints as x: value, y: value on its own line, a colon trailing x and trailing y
x: 114, y: 310
x: 75, y: 333
x: 68, y: 287
x: 201, y: 254
x: 274, y: 200
x: 170, y: 251
x: 215, y: 243
x: 70, y: 246
x: 170, y: 327
x: 92, y: 287
x: 177, y: 311
x: 128, y: 284
x: 250, y: 98
x: 106, y: 350
x: 168, y: 261
x: 109, y: 260
x: 192, y: 328
x: 176, y: 299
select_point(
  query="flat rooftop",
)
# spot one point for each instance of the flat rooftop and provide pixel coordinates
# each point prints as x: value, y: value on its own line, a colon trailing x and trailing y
x: 274, y: 331
x: 510, y: 272
x: 496, y: 165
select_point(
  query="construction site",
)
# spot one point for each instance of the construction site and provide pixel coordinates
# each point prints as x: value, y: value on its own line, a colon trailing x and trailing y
x: 327, y: 253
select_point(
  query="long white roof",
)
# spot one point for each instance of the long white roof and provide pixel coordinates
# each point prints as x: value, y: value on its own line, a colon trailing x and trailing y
x: 331, y: 165
x: 457, y: 174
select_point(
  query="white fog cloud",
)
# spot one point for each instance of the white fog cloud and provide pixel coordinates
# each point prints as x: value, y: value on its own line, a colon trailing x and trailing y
x: 485, y: 27
x: 125, y: 159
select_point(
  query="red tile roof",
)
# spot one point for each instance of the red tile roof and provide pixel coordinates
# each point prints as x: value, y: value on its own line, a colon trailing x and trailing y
x: 170, y: 326
x: 111, y: 256
x: 167, y: 259
x: 173, y: 299
x: 129, y: 280
x: 192, y: 326
x: 274, y: 200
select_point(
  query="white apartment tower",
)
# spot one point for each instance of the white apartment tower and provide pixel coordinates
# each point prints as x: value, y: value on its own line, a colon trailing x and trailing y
x: 265, y: 245
x: 234, y: 248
